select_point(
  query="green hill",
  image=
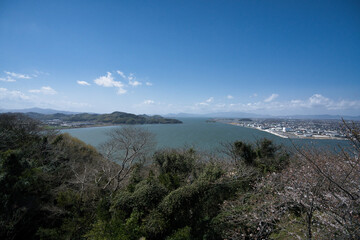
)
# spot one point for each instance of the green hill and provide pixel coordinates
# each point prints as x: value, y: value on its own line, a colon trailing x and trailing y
x: 112, y: 118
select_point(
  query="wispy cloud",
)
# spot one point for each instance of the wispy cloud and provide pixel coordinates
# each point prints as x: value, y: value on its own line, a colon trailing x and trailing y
x: 17, y: 75
x: 134, y: 83
x: 131, y: 78
x: 229, y: 97
x: 206, y: 102
x: 12, y: 95
x: 319, y: 101
x: 121, y: 74
x: 84, y: 83
x: 7, y: 79
x: 211, y: 99
x: 44, y: 90
x: 148, y: 84
x: 315, y: 104
x: 37, y: 73
x: 271, y: 98
x: 17, y: 99
x: 108, y: 81
x: 148, y: 102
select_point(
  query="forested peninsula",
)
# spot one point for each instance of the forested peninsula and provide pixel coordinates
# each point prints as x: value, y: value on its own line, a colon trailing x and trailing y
x: 100, y: 119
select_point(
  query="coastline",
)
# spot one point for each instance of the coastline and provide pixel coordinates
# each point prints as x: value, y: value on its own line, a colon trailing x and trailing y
x: 289, y: 135
x: 264, y: 130
x: 101, y: 125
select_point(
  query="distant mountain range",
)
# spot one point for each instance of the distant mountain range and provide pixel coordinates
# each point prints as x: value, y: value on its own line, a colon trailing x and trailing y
x: 37, y: 110
x: 191, y: 115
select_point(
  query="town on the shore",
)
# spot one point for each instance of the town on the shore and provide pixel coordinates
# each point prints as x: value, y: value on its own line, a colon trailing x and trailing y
x: 294, y: 128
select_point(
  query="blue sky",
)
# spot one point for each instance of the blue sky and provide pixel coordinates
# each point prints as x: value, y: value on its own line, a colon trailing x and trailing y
x: 158, y: 57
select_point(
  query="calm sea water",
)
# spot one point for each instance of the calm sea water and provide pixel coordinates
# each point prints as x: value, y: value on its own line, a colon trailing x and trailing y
x: 198, y: 133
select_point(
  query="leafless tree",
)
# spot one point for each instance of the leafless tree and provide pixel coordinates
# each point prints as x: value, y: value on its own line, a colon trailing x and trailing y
x: 126, y: 146
x: 316, y: 197
x: 338, y: 195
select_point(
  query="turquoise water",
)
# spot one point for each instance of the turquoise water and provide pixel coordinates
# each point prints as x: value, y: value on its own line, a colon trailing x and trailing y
x: 198, y: 133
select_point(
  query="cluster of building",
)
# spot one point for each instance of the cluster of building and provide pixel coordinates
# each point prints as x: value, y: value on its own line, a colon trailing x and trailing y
x: 295, y: 128
x: 58, y: 123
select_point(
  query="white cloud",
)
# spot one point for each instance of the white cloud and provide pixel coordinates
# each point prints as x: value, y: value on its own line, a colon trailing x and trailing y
x: 7, y: 79
x: 134, y: 83
x: 44, y: 90
x: 17, y: 75
x: 16, y: 99
x: 131, y: 76
x: 206, y: 102
x: 254, y: 95
x: 84, y: 83
x: 148, y: 84
x: 12, y: 95
x: 318, y: 99
x: 229, y: 97
x: 108, y: 81
x: 148, y: 102
x: 121, y: 91
x: 316, y: 103
x: 132, y: 80
x: 211, y: 99
x: 271, y: 98
x: 121, y: 74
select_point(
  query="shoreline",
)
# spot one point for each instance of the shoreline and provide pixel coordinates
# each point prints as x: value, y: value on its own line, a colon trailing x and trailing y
x: 102, y: 125
x: 289, y: 135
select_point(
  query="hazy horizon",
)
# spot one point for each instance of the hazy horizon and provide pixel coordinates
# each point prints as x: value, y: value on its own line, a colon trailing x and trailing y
x: 168, y: 57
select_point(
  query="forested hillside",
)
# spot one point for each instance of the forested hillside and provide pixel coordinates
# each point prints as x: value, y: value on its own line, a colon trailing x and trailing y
x: 113, y: 118
x: 54, y: 186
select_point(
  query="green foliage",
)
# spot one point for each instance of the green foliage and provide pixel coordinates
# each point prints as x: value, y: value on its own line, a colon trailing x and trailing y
x: 245, y: 151
x: 265, y: 155
x: 135, y: 177
x: 170, y: 180
x: 146, y: 195
x: 117, y: 228
x: 175, y: 167
x: 173, y: 161
x: 155, y: 225
x: 181, y: 234
x: 20, y: 194
x: 212, y: 172
x: 181, y: 209
x: 52, y: 188
x: 18, y: 131
x: 39, y: 196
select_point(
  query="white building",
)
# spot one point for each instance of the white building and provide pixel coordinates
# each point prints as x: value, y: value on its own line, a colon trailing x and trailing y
x: 285, y: 129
